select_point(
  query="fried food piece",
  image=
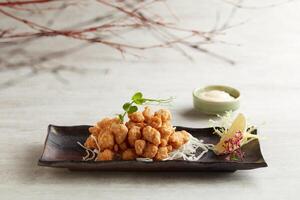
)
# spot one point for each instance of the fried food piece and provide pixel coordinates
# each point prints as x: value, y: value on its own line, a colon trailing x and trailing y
x: 162, y: 153
x: 139, y: 147
x: 129, y: 154
x: 123, y: 146
x: 170, y: 148
x: 94, y: 130
x: 104, y: 123
x: 163, y: 142
x: 106, y: 140
x: 150, y: 150
x: 107, y: 122
x: 120, y: 132
x: 155, y: 122
x: 90, y: 143
x: 167, y: 123
x: 166, y: 131
x: 176, y: 140
x: 145, y: 134
x: 164, y: 114
x: 133, y: 135
x: 131, y: 124
x: 147, y: 114
x: 136, y: 117
x: 179, y: 138
x: 151, y: 135
x: 185, y: 136
x: 105, y: 155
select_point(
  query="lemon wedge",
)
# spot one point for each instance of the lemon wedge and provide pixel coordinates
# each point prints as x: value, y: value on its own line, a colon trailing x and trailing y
x: 239, y: 124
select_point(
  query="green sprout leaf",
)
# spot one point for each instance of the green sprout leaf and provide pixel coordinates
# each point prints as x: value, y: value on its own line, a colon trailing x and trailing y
x: 234, y: 156
x: 139, y: 101
x: 137, y: 96
x: 126, y: 106
x: 234, y: 159
x: 132, y: 109
x: 121, y: 117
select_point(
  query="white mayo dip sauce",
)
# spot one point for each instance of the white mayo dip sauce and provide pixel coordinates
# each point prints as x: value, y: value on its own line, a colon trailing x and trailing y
x: 215, y: 96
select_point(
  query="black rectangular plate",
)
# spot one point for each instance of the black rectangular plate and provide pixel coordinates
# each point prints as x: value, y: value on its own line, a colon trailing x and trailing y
x: 61, y: 150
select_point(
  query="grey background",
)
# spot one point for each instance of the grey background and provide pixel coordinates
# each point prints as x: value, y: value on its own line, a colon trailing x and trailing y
x: 267, y: 74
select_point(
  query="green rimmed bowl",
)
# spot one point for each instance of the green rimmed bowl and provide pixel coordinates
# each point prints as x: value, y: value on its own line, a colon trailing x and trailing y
x: 216, y: 107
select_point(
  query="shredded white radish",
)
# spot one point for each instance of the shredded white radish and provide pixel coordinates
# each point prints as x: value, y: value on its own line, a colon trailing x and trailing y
x: 223, y: 124
x: 188, y: 151
x: 93, y: 137
x: 90, y: 154
x: 144, y: 159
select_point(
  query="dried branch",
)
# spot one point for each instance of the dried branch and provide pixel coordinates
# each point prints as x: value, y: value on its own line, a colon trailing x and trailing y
x: 239, y: 4
x: 124, y: 16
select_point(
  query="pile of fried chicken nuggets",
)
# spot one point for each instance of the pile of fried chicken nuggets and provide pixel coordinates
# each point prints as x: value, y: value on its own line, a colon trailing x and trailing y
x: 145, y: 135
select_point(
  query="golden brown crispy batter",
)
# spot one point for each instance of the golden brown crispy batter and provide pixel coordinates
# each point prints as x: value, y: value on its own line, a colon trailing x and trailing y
x: 166, y: 131
x: 133, y: 135
x: 107, y: 122
x: 90, y: 143
x: 131, y: 124
x: 155, y: 122
x: 129, y: 154
x: 104, y: 123
x: 167, y: 123
x: 163, y: 142
x: 170, y: 148
x: 106, y: 140
x: 147, y: 114
x: 139, y: 147
x: 162, y: 153
x: 120, y: 132
x: 105, y: 155
x: 94, y: 130
x: 176, y: 139
x: 151, y: 135
x: 136, y: 117
x: 150, y: 150
x: 185, y: 136
x: 164, y: 114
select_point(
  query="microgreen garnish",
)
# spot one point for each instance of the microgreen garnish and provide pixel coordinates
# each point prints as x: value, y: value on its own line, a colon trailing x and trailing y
x: 138, y: 99
x: 236, y: 155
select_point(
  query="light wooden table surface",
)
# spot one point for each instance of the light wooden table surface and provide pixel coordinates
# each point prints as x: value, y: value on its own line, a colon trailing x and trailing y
x: 267, y: 73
